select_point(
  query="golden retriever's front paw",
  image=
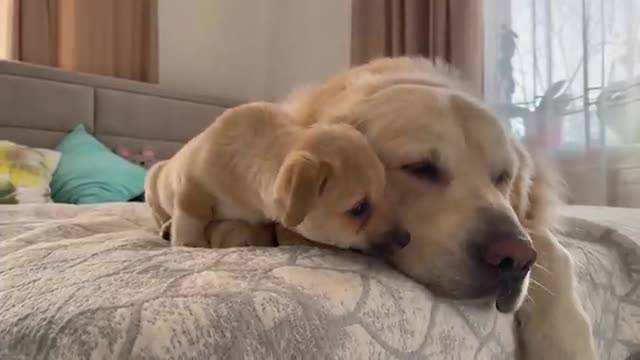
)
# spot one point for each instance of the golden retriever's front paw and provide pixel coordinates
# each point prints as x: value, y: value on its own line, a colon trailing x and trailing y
x: 557, y: 351
x: 231, y: 233
x: 565, y: 335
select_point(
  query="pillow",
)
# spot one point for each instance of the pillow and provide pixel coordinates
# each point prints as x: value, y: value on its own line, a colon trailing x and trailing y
x: 90, y: 173
x: 25, y: 173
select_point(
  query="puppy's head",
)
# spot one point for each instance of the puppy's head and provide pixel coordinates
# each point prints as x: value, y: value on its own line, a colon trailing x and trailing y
x: 331, y: 189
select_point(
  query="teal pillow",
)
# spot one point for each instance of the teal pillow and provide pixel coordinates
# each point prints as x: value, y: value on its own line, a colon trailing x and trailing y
x: 90, y: 173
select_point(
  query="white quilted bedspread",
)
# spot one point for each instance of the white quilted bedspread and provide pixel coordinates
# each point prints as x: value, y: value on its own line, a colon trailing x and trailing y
x: 81, y: 282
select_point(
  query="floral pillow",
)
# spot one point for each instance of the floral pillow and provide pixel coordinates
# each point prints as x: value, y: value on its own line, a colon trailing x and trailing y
x: 25, y: 173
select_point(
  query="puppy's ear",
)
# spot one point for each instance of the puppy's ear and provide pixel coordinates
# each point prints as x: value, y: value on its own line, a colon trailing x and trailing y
x: 299, y: 184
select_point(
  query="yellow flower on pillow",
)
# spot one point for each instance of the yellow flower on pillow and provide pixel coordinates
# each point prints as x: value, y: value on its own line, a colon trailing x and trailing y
x: 28, y: 170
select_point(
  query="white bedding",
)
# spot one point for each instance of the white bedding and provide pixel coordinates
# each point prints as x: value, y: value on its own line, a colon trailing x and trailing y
x: 96, y: 282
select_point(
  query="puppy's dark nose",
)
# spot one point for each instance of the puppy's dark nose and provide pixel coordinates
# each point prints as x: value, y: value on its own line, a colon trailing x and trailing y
x: 389, y: 242
x: 509, y: 256
x: 398, y: 237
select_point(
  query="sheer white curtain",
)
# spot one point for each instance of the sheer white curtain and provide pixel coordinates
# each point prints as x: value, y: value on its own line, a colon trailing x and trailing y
x: 565, y: 77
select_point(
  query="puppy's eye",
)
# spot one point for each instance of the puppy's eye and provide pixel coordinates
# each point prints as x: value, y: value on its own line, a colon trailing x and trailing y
x: 360, y: 210
x: 502, y: 178
x: 427, y: 170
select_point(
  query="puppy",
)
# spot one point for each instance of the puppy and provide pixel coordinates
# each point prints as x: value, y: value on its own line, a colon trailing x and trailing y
x: 254, y: 165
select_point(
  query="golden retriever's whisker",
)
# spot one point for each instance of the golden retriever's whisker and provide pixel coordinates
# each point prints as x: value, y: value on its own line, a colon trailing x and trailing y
x: 530, y: 299
x: 542, y: 268
x: 541, y: 287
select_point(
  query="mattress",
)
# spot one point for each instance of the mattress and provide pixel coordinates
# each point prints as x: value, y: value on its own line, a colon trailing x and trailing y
x: 96, y: 282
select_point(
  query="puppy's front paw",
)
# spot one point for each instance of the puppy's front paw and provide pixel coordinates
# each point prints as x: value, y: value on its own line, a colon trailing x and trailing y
x: 286, y: 237
x: 165, y: 231
x: 187, y: 230
x: 231, y: 233
x: 194, y: 242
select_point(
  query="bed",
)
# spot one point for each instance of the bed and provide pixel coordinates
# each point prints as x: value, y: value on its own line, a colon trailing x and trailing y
x: 95, y: 281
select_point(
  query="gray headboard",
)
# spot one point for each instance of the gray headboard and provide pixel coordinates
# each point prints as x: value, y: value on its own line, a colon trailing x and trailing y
x: 39, y: 105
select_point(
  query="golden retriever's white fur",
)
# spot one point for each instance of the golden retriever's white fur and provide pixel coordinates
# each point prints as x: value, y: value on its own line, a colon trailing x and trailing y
x: 451, y: 169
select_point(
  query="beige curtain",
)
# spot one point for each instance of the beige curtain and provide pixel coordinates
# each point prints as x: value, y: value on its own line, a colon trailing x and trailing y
x: 34, y: 35
x: 448, y: 29
x: 7, y: 24
x: 108, y: 37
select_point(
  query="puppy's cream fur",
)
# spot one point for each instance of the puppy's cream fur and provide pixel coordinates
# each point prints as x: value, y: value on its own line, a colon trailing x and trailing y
x: 415, y: 111
x: 253, y: 165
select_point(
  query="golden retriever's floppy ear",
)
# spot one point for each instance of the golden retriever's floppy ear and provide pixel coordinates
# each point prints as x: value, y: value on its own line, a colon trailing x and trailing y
x: 537, y: 192
x: 299, y: 183
x: 522, y: 181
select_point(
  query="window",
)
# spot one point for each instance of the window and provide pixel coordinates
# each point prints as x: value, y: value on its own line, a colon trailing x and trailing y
x: 565, y: 73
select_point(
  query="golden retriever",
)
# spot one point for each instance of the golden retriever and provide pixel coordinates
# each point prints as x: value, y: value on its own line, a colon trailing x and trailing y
x: 478, y: 205
x: 255, y: 165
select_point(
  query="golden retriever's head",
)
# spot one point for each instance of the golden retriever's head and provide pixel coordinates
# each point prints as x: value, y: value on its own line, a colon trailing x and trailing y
x: 460, y: 184
x: 331, y: 189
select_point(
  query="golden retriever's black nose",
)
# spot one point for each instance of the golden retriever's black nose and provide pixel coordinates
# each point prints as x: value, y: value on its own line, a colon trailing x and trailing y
x: 509, y: 256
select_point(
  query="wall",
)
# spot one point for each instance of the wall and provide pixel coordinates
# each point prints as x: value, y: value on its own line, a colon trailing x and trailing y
x: 251, y: 50
x: 214, y: 47
x: 309, y: 40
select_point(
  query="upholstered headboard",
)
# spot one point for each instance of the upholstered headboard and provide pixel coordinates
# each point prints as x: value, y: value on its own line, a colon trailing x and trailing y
x: 39, y: 105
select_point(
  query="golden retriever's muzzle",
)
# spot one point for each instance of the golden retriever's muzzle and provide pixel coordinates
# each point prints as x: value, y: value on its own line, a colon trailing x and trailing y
x: 504, y: 255
x: 388, y: 242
